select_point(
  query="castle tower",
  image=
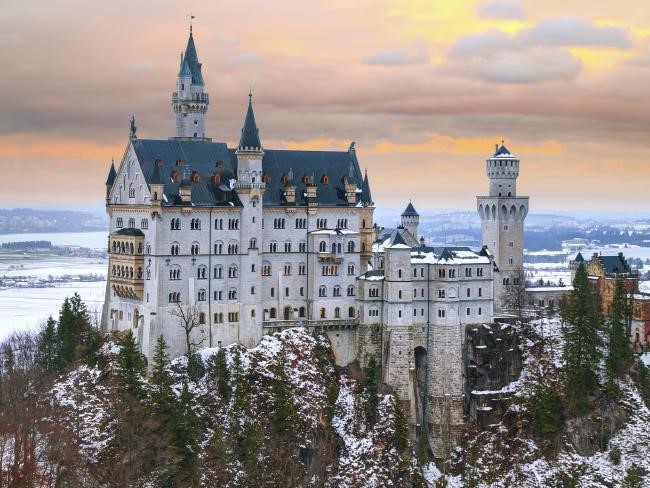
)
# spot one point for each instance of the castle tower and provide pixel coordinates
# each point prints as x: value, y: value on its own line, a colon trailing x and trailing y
x: 189, y: 101
x: 367, y: 229
x: 250, y: 190
x: 502, y: 215
x: 411, y: 220
x: 112, y: 174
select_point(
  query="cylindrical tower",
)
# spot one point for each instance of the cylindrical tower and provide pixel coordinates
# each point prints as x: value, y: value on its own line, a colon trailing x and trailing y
x: 502, y: 215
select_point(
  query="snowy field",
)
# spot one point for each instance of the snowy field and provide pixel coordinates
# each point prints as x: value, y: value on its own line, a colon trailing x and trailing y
x: 27, y: 308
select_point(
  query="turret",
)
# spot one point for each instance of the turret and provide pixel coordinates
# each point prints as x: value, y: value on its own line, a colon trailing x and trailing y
x: 185, y: 189
x: 411, y: 220
x: 249, y: 152
x: 502, y: 169
x: 157, y: 184
x: 189, y: 101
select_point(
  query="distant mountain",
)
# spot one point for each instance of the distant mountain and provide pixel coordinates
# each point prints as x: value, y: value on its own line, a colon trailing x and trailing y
x: 30, y: 220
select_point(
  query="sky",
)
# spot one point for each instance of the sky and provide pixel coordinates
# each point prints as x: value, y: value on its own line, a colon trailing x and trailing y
x: 424, y: 88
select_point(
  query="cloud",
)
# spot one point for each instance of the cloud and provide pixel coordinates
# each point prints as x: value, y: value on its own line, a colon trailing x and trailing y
x: 532, y: 66
x: 501, y: 10
x: 142, y: 66
x: 245, y: 58
x: 394, y: 56
x: 574, y: 31
x: 482, y: 43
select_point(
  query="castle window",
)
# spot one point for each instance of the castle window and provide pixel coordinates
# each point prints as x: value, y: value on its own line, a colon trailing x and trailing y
x: 232, y: 271
x: 287, y: 270
x: 301, y: 312
x: 302, y: 247
x: 175, y: 249
x: 202, y: 318
x: 179, y: 163
x: 479, y: 310
x: 284, y: 178
x: 399, y: 315
x: 510, y: 260
x: 350, y: 269
x: 322, y: 247
x: 351, y: 246
x: 337, y: 313
x: 266, y: 270
x: 301, y: 223
x: 266, y: 178
x: 336, y: 291
x: 273, y: 247
x: 232, y: 294
x: 325, y: 180
x: 195, y: 175
x: 175, y: 177
x: 302, y: 269
x: 218, y: 224
x: 468, y: 311
x: 217, y: 273
x: 302, y: 291
x: 511, y: 244
x: 468, y: 292
x: 441, y: 313
x: 373, y: 292
x: 480, y: 292
x: 479, y: 271
x: 452, y: 273
x: 200, y: 273
x: 468, y: 272
x: 201, y: 296
x: 118, y: 223
x: 287, y: 247
x: 306, y: 179
x: 218, y: 247
x: 131, y: 191
x: 441, y: 293
x: 322, y: 313
x: 273, y: 313
x: 131, y: 223
x: 194, y: 249
x: 252, y: 244
x: 252, y: 290
x: 441, y: 273
x: 144, y: 224
x: 322, y: 291
x: 350, y: 290
x: 415, y: 273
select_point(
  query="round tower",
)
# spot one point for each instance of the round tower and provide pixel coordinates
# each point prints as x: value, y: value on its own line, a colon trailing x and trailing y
x: 502, y: 215
x: 189, y: 101
x: 411, y: 220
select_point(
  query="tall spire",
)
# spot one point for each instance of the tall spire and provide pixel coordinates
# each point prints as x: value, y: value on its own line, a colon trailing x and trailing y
x: 250, y: 137
x: 112, y: 174
x: 191, y: 58
x: 365, y: 190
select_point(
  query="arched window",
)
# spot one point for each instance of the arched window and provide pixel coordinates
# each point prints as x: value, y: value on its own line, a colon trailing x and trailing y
x: 351, y: 312
x: 273, y: 313
x: 266, y: 179
x: 322, y: 247
x: 322, y: 313
x: 336, y: 291
x: 252, y: 244
x: 144, y: 224
x: 194, y: 249
x: 322, y: 291
x: 175, y: 250
x: 301, y: 312
x: 350, y: 246
x: 337, y: 313
x: 232, y: 271
x: 350, y: 290
x: 201, y: 296
x: 201, y: 272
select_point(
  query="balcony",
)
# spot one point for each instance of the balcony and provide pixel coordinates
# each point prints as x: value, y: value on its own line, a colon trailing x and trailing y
x: 195, y: 97
x: 314, y: 325
x: 328, y: 257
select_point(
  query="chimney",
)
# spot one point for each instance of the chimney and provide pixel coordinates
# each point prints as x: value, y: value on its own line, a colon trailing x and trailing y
x: 311, y: 194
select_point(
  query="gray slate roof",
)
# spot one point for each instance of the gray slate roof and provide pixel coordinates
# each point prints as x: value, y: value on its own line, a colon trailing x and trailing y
x: 112, y: 174
x: 191, y: 59
x: 502, y: 150
x: 202, y: 157
x: 250, y: 134
x: 410, y: 211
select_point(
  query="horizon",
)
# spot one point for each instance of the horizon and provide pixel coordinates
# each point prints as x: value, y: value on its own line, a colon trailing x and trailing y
x: 431, y: 93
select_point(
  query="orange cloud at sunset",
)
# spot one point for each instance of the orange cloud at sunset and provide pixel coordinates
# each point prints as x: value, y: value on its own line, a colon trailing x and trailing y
x: 424, y: 87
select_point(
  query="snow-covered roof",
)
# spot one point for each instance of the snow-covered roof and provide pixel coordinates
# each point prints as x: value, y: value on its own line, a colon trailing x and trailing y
x: 447, y: 255
x: 333, y: 232
x: 538, y: 289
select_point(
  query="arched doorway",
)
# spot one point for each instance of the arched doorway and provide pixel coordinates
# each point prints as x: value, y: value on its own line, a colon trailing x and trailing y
x: 287, y: 313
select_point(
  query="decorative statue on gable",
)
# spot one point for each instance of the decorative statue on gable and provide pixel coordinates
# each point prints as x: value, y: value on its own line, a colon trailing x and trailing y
x: 132, y: 128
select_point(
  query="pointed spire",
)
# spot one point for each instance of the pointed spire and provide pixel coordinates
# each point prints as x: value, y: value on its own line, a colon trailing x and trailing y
x: 410, y: 211
x: 250, y: 137
x: 133, y: 129
x: 156, y: 176
x: 365, y: 190
x: 192, y: 60
x: 112, y: 174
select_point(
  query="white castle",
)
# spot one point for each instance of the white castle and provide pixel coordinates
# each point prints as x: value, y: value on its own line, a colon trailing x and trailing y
x: 255, y: 240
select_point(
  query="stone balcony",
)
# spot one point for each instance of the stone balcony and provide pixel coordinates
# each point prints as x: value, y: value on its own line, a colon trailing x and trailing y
x: 328, y: 257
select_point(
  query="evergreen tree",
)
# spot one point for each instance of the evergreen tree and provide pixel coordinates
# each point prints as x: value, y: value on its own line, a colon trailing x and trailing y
x: 619, y: 354
x: 223, y: 375
x: 186, y: 430
x: 130, y: 368
x: 583, y: 320
x: 546, y: 408
x: 48, y: 347
x: 284, y: 410
x: 372, y: 389
x: 65, y: 332
x: 401, y: 427
x: 244, y: 430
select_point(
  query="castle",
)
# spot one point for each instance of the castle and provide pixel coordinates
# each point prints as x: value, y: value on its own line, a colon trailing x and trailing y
x: 249, y: 240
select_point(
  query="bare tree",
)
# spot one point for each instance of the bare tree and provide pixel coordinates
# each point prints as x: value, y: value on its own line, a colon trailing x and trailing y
x: 514, y: 292
x: 188, y: 317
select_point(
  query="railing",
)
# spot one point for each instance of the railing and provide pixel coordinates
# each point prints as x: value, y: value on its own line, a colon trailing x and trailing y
x: 327, y: 323
x: 328, y: 257
x: 195, y: 97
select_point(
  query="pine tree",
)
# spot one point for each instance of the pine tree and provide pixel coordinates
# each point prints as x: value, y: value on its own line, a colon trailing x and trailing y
x: 284, y: 410
x: 65, y: 332
x: 546, y: 408
x: 223, y: 375
x: 581, y: 355
x: 130, y: 368
x: 48, y: 347
x: 186, y: 431
x: 372, y: 389
x: 245, y: 432
x: 619, y: 355
x: 401, y: 427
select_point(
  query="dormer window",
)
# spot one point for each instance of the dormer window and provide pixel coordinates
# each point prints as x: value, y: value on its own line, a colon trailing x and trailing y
x: 179, y: 162
x: 196, y: 177
x: 285, y: 179
x: 175, y: 176
x: 325, y: 180
x: 217, y: 179
x: 266, y: 178
x: 306, y: 179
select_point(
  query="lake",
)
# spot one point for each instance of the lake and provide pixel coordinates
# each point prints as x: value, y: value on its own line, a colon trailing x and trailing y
x: 91, y: 240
